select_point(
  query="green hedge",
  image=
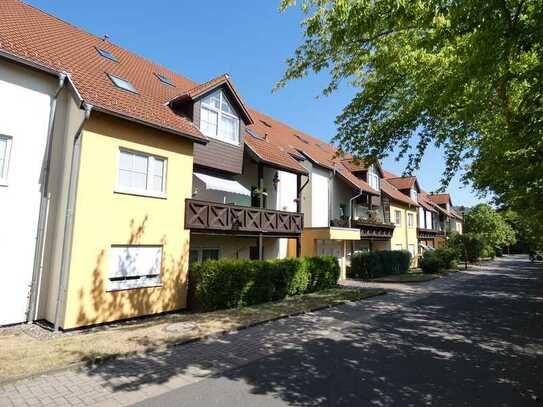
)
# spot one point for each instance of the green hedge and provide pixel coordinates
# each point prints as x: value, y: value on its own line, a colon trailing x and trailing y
x: 369, y: 265
x: 438, y: 260
x: 230, y: 283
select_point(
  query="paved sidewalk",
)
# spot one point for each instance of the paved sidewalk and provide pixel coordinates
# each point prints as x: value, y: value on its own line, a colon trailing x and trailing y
x: 130, y: 380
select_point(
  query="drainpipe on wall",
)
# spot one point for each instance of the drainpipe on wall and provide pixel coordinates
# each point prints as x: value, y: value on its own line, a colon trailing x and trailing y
x: 351, y: 206
x: 68, y: 223
x: 44, y: 208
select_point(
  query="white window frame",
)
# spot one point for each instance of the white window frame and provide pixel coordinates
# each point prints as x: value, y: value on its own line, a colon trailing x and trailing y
x: 218, y: 133
x: 396, y: 211
x: 148, y: 191
x: 410, y: 220
x: 200, y: 251
x: 118, y: 282
x: 413, y: 194
x: 373, y: 178
x: 4, y: 172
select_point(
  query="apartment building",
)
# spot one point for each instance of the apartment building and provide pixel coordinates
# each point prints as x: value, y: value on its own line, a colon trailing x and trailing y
x: 128, y: 172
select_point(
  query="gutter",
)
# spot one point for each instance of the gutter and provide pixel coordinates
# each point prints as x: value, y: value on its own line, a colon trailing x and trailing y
x: 351, y: 206
x: 37, y: 273
x: 69, y: 218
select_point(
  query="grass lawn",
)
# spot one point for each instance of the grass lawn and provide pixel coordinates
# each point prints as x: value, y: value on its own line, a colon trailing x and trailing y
x: 23, y: 355
x: 406, y: 278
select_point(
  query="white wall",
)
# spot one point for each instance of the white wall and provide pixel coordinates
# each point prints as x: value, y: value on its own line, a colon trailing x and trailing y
x: 25, y: 99
x: 286, y: 201
x: 319, y: 197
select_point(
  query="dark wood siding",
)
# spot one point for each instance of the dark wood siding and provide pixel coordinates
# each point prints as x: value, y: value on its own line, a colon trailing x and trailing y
x: 218, y: 154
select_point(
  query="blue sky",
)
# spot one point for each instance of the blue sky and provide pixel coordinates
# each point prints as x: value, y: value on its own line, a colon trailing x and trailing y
x: 248, y: 39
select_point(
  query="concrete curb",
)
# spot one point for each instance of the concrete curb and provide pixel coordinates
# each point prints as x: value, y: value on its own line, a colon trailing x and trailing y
x: 105, y: 359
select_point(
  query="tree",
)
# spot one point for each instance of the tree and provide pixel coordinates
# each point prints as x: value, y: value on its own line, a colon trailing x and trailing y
x: 484, y: 221
x: 465, y: 75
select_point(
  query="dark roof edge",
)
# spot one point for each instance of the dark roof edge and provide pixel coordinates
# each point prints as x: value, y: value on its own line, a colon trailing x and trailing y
x: 275, y: 165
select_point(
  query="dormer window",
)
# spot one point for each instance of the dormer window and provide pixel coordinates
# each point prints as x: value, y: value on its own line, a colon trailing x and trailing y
x: 413, y: 194
x: 218, y: 119
x: 373, y: 177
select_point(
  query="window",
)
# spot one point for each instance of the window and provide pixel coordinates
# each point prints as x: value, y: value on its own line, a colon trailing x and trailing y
x: 413, y: 194
x: 141, y: 174
x: 410, y: 220
x: 398, y: 218
x: 5, y: 150
x: 373, y: 177
x: 106, y: 54
x: 134, y: 267
x: 429, y: 220
x: 164, y: 79
x: 412, y: 250
x: 197, y: 255
x: 123, y: 84
x: 218, y: 118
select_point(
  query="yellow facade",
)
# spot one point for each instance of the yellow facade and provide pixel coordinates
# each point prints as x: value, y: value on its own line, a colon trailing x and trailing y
x: 333, y: 238
x: 404, y: 236
x: 104, y: 218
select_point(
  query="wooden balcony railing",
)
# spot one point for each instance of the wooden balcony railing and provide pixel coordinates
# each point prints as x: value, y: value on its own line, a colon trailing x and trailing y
x: 429, y: 233
x: 235, y: 219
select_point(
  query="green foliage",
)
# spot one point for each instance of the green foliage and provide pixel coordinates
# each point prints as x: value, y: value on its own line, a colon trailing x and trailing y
x: 469, y: 246
x: 369, y: 265
x: 464, y: 75
x: 490, y: 226
x: 432, y: 263
x: 438, y: 260
x: 221, y: 284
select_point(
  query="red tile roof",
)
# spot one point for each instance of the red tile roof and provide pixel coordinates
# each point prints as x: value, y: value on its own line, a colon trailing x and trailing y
x: 388, y: 174
x: 426, y: 203
x: 271, y: 154
x: 403, y: 182
x: 441, y: 199
x: 33, y: 35
x: 355, y: 181
x: 394, y: 194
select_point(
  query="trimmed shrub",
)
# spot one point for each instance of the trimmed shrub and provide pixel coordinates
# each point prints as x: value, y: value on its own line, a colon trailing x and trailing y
x: 369, y: 265
x: 231, y: 283
x: 432, y: 262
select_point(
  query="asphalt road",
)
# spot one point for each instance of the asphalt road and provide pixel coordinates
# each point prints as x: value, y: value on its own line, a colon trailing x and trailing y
x: 478, y: 342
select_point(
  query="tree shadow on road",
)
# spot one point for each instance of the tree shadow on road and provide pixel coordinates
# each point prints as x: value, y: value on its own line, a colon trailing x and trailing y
x: 481, y: 345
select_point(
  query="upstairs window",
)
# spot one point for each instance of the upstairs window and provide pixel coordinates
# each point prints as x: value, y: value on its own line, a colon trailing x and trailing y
x: 398, y: 218
x: 107, y: 54
x: 218, y: 119
x: 413, y: 194
x: 373, y: 177
x: 5, y: 149
x: 141, y: 174
x: 411, y: 220
x: 123, y: 84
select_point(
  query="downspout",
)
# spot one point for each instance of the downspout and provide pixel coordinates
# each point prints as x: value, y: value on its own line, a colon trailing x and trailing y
x: 68, y: 222
x: 331, y: 179
x: 351, y: 206
x: 44, y: 208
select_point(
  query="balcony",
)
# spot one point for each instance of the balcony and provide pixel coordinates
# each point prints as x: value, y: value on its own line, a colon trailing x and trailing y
x: 370, y: 228
x: 429, y: 233
x: 215, y: 217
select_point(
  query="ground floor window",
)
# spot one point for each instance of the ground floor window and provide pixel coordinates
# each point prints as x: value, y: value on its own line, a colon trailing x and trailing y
x: 412, y: 250
x: 134, y: 267
x: 200, y: 254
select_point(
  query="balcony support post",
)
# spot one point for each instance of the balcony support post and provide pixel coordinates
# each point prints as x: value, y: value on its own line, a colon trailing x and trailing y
x: 261, y: 205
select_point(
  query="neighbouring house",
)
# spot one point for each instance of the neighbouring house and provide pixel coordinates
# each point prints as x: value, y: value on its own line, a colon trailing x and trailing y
x: 449, y: 219
x: 28, y: 97
x: 429, y: 229
x: 403, y: 196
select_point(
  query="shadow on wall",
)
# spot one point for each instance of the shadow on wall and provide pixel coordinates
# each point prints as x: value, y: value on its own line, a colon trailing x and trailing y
x: 97, y: 305
x: 476, y: 347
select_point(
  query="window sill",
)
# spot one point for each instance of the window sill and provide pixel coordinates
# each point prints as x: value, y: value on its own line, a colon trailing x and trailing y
x: 3, y: 183
x: 145, y: 194
x: 113, y: 290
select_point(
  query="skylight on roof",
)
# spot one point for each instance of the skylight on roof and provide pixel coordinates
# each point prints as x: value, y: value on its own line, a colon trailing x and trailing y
x: 164, y: 79
x: 107, y: 54
x: 301, y: 139
x: 265, y: 123
x: 123, y: 84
